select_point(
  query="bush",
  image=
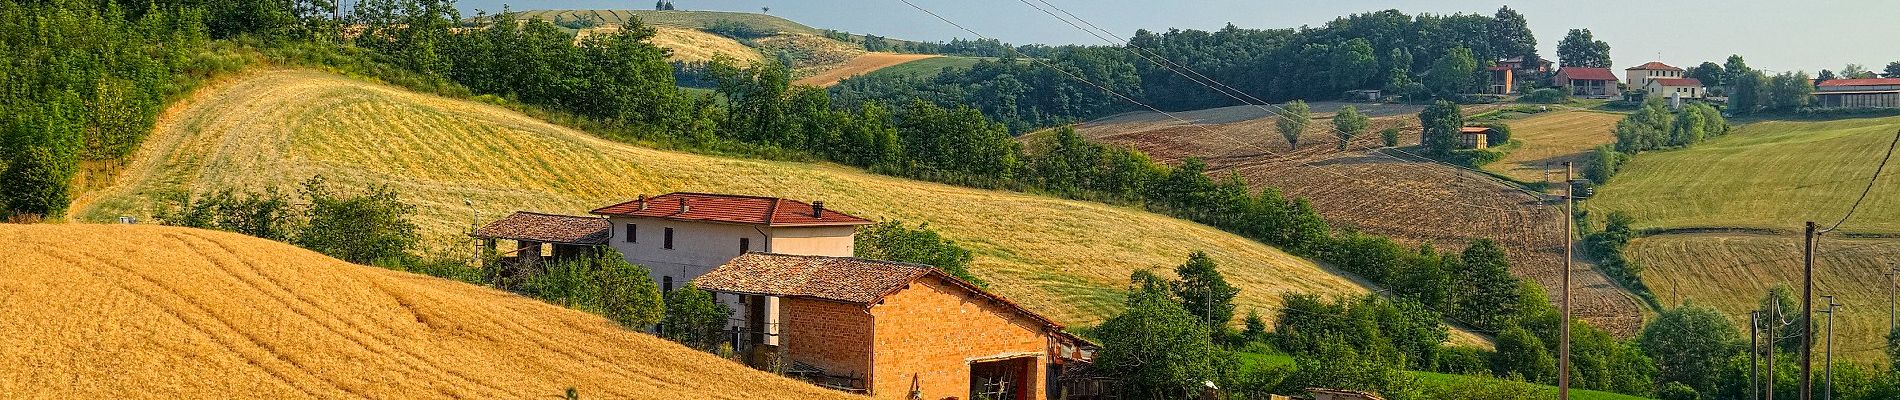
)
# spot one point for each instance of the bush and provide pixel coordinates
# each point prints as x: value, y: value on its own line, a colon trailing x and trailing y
x: 360, y: 229
x: 1476, y: 157
x: 1499, y: 136
x: 694, y: 318
x: 893, y: 241
x: 1546, y: 96
x: 628, y: 294
x: 1391, y: 137
x: 1463, y: 360
x: 1677, y: 391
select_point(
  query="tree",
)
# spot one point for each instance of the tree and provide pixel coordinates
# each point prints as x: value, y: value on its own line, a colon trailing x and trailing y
x: 1349, y: 123
x: 892, y: 240
x: 1825, y: 76
x: 627, y: 292
x: 1709, y: 73
x: 1687, y: 130
x: 1646, y: 129
x: 659, y: 5
x: 1490, y: 291
x: 1893, y: 69
x: 1452, y: 73
x: 1689, y: 343
x: 1735, y: 66
x: 1294, y: 117
x: 1856, y: 71
x: 1580, y: 49
x: 1157, y: 348
x: 1748, y: 92
x: 365, y: 228
x: 1256, y: 328
x: 1441, y: 123
x: 1789, y: 91
x: 1205, y: 293
x: 1389, y: 136
x: 694, y: 318
x: 1521, y: 353
x: 1353, y: 64
x: 1510, y: 35
x: 1677, y: 391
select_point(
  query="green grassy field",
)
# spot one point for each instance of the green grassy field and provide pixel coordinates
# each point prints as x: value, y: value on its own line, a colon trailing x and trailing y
x: 1428, y: 379
x: 928, y: 66
x: 272, y: 129
x: 1766, y: 175
x: 680, y: 18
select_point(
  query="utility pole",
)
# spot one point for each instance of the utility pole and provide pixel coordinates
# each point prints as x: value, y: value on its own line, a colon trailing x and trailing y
x: 1774, y: 318
x: 1570, y: 215
x: 1892, y: 270
x: 1754, y: 349
x: 1807, y: 312
x: 1829, y: 391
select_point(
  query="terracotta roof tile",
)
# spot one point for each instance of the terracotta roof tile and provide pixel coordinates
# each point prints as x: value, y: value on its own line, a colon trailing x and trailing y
x: 1587, y: 74
x: 1655, y: 65
x: 845, y: 279
x: 549, y: 228
x: 1861, y: 82
x: 732, y: 209
x: 1474, y: 130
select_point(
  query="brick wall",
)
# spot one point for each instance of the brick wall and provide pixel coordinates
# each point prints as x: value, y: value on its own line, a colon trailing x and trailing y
x: 829, y: 335
x: 934, y: 330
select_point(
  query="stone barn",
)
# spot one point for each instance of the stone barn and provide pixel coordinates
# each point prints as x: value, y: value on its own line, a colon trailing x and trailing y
x: 901, y: 331
x: 541, y: 238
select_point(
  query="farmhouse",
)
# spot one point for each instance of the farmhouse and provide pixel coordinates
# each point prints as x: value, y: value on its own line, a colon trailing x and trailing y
x: 1474, y: 137
x: 680, y: 236
x: 1640, y: 75
x: 1507, y: 74
x: 1584, y: 81
x: 897, y: 330
x: 1858, y: 93
x: 1674, y: 88
x: 541, y: 238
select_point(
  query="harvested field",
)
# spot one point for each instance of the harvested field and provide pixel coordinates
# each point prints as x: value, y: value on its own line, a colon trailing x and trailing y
x: 1732, y: 271
x: 863, y: 64
x: 1066, y: 259
x: 690, y: 45
x: 1379, y: 191
x: 811, y: 54
x: 928, y: 66
x: 139, y: 311
x: 1552, y: 138
x: 676, y: 18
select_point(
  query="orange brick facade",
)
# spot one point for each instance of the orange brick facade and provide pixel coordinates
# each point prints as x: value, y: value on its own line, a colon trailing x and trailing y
x: 933, y: 331
x: 832, y: 336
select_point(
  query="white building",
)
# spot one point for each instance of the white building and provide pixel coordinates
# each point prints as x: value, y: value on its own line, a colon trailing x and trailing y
x: 1639, y: 76
x: 1674, y: 89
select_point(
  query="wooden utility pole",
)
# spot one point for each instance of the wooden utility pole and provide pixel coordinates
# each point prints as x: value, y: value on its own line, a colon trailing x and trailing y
x: 1774, y: 318
x: 1570, y: 215
x: 1828, y: 392
x: 1754, y: 349
x: 1807, y: 312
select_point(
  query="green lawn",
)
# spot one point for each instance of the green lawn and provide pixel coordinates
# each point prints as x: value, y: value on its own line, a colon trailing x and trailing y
x: 928, y: 66
x: 1771, y: 174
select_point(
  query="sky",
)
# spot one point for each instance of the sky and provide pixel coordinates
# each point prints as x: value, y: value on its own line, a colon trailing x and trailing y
x: 1781, y: 35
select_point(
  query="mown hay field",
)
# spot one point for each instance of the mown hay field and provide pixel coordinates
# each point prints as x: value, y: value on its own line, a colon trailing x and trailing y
x: 1068, y: 259
x: 926, y: 67
x: 1732, y: 272
x: 689, y: 45
x: 1553, y: 138
x: 138, y: 311
x: 863, y: 64
x: 677, y: 18
x: 1764, y: 175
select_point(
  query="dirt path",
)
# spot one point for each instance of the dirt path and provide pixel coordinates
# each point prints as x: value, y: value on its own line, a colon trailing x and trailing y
x: 861, y: 65
x: 1379, y: 190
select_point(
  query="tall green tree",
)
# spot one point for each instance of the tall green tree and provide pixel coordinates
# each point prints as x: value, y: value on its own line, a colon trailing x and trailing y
x: 1581, y: 49
x: 1490, y: 292
x: 1452, y: 74
x: 1156, y: 347
x: 1892, y: 70
x: 1789, y: 91
x: 1294, y: 118
x: 1205, y: 293
x: 894, y: 241
x: 1441, y: 122
x: 1349, y: 123
x: 1689, y: 343
x: 1510, y: 36
x: 1353, y: 64
x: 1523, y: 354
x: 1709, y: 73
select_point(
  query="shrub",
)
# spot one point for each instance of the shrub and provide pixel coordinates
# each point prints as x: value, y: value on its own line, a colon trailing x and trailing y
x: 362, y: 228
x: 1677, y: 391
x: 1463, y: 360
x: 694, y: 318
x: 1499, y: 136
x: 1391, y: 137
x: 893, y: 241
x: 1546, y: 96
x: 627, y: 292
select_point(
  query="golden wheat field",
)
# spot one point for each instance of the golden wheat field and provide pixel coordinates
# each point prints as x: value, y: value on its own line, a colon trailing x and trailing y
x: 690, y: 45
x: 131, y: 311
x: 1733, y: 271
x: 1067, y: 259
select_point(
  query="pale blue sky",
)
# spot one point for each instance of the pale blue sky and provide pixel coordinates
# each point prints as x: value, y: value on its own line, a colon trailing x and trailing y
x: 1775, y: 35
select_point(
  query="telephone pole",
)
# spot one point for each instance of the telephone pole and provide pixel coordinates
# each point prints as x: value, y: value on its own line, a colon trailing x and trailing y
x: 1829, y: 391
x: 1807, y: 311
x: 1754, y: 349
x: 1774, y: 318
x: 1570, y: 215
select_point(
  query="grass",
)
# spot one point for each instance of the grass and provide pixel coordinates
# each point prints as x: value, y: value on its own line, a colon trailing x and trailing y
x: 1067, y: 259
x: 1251, y: 361
x: 692, y: 45
x: 862, y: 64
x: 928, y: 66
x: 1552, y: 138
x: 678, y: 18
x: 139, y: 311
x: 1765, y: 175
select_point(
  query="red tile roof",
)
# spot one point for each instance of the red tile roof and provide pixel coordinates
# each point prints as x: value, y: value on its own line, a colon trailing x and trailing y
x: 845, y: 279
x: 730, y: 209
x: 1861, y: 82
x: 548, y: 228
x: 1474, y: 130
x: 1655, y: 65
x: 1677, y: 81
x: 1586, y: 74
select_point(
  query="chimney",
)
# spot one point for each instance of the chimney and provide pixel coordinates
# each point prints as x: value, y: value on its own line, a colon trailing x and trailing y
x: 684, y: 207
x: 818, y: 209
x: 643, y: 202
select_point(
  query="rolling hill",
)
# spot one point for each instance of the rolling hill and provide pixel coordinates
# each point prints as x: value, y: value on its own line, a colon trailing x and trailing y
x: 1067, y: 259
x: 1725, y: 219
x: 1552, y: 138
x: 1376, y: 190
x: 128, y: 311
x: 677, y: 18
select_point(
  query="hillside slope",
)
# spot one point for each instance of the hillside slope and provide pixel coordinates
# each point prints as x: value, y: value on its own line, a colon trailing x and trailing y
x: 1068, y: 259
x: 1378, y: 191
x: 123, y: 311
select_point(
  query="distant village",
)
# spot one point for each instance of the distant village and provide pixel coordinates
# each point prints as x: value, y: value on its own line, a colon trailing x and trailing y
x: 1656, y: 79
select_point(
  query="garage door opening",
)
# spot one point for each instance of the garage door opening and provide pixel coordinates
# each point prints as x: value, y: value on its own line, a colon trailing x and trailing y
x: 1011, y: 379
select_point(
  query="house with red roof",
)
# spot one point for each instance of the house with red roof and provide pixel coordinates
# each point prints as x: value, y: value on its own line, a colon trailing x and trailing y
x: 1858, y: 93
x: 1586, y: 81
x: 1674, y: 88
x: 897, y: 330
x: 1640, y: 75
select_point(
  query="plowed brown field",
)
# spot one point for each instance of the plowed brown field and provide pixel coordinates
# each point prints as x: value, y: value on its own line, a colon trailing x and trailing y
x: 1379, y: 191
x: 132, y: 311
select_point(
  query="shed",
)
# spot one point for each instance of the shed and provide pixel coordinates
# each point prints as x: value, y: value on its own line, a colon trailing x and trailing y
x: 568, y: 236
x: 1474, y: 137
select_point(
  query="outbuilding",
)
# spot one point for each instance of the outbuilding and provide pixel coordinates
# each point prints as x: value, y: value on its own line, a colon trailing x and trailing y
x: 1858, y: 93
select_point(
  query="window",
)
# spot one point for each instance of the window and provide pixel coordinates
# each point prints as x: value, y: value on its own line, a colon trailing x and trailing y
x: 666, y: 284
x: 745, y: 245
x: 633, y: 233
x: 667, y: 243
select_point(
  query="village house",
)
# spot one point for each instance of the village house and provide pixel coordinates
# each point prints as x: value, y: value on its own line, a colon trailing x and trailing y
x: 1639, y: 76
x: 1588, y: 82
x: 680, y: 236
x: 1858, y: 93
x: 1474, y: 137
x: 1507, y: 75
x: 901, y: 331
x: 1674, y: 88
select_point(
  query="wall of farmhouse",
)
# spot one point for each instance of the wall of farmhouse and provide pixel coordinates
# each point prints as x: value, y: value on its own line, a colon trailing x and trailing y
x: 832, y: 336
x: 932, y: 332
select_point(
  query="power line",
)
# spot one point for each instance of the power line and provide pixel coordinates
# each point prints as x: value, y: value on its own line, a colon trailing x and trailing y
x: 1870, y: 184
